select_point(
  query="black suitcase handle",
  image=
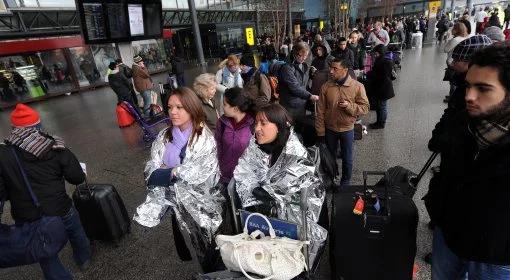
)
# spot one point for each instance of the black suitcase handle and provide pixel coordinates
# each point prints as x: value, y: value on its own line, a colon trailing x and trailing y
x: 386, y: 183
x: 86, y: 185
x: 427, y: 165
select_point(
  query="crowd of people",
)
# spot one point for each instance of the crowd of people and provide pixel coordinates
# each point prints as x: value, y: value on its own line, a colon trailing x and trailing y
x: 251, y: 125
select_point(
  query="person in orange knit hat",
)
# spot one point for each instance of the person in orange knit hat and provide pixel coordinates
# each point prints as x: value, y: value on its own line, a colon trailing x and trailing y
x: 24, y: 116
x: 47, y: 163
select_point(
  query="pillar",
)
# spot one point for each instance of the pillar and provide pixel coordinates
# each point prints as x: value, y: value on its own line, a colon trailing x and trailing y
x: 196, y: 33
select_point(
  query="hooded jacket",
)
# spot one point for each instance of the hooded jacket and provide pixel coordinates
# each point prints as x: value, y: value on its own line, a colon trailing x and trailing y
x: 46, y: 174
x: 231, y: 143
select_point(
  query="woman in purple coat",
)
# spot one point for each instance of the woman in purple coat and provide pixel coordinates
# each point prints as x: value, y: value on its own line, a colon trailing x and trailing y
x: 233, y: 131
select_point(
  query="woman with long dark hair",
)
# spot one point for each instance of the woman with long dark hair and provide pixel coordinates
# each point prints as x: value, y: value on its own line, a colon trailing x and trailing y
x: 183, y: 164
x: 276, y: 169
x: 233, y: 131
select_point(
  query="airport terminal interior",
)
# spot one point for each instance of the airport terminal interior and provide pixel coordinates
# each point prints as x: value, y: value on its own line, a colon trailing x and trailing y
x: 63, y: 78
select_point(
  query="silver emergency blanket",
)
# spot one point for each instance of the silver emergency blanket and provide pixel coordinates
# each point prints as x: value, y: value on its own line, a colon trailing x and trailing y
x: 293, y: 172
x: 194, y: 199
x: 150, y: 212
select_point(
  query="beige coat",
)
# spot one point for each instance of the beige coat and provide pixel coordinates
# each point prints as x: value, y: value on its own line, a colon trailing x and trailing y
x: 330, y: 115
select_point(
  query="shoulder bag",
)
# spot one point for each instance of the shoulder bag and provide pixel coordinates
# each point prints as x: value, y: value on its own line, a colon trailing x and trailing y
x: 272, y: 257
x: 27, y: 243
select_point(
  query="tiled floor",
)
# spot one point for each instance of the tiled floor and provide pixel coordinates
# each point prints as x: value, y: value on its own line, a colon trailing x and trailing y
x: 87, y: 122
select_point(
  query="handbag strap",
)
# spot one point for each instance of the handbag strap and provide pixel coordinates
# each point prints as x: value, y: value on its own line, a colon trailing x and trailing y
x: 25, y: 179
x: 236, y: 254
x: 271, y: 229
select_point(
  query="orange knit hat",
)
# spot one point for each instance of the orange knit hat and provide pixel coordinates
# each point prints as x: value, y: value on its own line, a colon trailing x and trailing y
x: 24, y: 116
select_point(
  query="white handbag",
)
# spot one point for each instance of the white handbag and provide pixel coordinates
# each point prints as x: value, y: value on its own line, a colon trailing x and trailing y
x: 278, y: 258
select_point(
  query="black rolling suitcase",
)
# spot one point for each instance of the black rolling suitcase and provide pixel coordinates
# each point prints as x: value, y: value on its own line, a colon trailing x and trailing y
x: 102, y: 212
x: 374, y: 244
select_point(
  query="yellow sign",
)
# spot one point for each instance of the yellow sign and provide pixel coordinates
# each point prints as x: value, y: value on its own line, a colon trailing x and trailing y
x: 250, y: 36
x: 321, y: 25
x: 434, y: 6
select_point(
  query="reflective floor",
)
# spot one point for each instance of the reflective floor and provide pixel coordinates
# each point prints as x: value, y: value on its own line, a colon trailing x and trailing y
x: 88, y: 124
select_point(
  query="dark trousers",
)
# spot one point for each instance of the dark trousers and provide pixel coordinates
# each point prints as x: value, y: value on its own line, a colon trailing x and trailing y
x: 52, y: 267
x: 346, y: 147
x: 180, y: 80
x: 382, y: 112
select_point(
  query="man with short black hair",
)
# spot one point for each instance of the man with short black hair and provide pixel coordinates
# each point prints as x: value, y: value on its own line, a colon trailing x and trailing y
x: 470, y: 202
x: 341, y: 101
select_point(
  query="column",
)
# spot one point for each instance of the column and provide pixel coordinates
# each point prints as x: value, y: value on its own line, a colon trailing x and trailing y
x: 291, y: 27
x: 196, y: 33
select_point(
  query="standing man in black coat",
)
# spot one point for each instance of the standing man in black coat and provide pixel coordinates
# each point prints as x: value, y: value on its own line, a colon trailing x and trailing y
x: 122, y: 86
x: 178, y: 70
x: 345, y: 54
x: 47, y: 164
x: 380, y: 85
x: 470, y: 212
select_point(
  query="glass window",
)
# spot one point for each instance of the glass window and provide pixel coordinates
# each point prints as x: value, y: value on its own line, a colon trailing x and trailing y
x: 103, y: 55
x: 84, y: 66
x: 182, y: 4
x: 169, y: 4
x: 154, y: 54
x: 44, y: 3
x: 55, y: 73
x: 24, y: 77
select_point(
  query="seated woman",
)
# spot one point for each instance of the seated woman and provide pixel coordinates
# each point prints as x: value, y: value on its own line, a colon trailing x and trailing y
x: 234, y: 131
x: 275, y: 169
x: 205, y: 87
x: 183, y: 156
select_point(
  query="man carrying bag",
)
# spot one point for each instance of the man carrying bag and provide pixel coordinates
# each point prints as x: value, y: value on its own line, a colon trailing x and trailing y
x: 33, y: 167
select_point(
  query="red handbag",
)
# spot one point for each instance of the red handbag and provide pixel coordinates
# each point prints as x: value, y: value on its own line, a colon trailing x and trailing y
x: 124, y: 118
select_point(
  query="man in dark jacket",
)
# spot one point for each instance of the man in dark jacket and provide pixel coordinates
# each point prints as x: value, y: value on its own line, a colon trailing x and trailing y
x: 178, y: 70
x: 358, y: 51
x: 470, y: 208
x: 47, y: 164
x: 294, y: 79
x: 122, y: 86
x: 380, y: 86
x: 343, y: 53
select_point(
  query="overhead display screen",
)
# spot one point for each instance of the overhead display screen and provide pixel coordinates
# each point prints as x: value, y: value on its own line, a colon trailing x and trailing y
x: 135, y: 12
x: 114, y: 21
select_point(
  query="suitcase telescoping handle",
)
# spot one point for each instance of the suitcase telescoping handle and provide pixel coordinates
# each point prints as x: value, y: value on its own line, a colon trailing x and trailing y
x: 427, y: 165
x: 386, y: 183
x: 87, y: 186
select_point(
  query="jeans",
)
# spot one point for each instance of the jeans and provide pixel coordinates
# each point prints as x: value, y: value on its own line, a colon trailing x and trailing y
x: 52, y: 267
x: 146, y: 95
x: 447, y: 266
x: 346, y: 146
x: 382, y: 112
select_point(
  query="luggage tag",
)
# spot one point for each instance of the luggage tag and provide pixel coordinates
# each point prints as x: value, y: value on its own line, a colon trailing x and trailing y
x: 359, y: 206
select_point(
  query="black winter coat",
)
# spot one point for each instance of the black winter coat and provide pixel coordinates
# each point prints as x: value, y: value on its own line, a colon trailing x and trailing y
x: 358, y: 52
x: 122, y: 87
x: 347, y: 55
x: 380, y: 85
x: 177, y: 65
x: 47, y: 177
x: 470, y: 200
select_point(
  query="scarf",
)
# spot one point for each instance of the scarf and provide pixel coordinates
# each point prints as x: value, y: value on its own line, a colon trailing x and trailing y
x: 226, y: 76
x: 488, y: 133
x: 34, y: 141
x: 173, y: 149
